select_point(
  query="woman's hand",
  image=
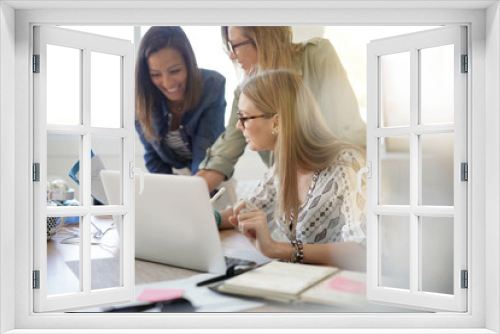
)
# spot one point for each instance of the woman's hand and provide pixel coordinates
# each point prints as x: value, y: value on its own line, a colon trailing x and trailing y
x: 253, y: 225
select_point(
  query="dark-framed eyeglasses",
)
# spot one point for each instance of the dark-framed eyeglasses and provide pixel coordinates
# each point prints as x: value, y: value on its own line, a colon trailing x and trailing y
x: 232, y: 47
x: 244, y: 119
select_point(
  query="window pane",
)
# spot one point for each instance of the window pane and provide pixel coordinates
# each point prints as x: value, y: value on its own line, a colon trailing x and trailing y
x: 437, y: 169
x: 395, y: 89
x: 437, y: 85
x: 105, y: 90
x: 63, y: 152
x: 63, y: 255
x: 395, y: 170
x: 395, y: 251
x: 437, y: 254
x: 63, y: 85
x: 107, y: 154
x: 105, y: 253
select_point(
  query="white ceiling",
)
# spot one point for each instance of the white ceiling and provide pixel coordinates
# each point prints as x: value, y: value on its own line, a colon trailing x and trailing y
x: 253, y: 4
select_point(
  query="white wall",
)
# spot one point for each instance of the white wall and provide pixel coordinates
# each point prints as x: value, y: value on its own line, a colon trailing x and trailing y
x: 7, y: 159
x: 493, y: 161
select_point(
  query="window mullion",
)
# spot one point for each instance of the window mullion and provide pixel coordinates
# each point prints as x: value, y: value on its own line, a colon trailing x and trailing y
x: 414, y: 172
x: 67, y: 129
x: 373, y: 264
x: 128, y: 236
x: 86, y: 162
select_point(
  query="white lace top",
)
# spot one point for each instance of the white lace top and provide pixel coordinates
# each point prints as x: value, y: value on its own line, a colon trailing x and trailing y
x: 333, y: 212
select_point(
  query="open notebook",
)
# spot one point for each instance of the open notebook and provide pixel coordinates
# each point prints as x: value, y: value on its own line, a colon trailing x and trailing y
x: 291, y: 282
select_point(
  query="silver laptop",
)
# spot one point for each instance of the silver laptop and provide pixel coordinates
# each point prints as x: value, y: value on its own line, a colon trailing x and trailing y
x: 174, y: 221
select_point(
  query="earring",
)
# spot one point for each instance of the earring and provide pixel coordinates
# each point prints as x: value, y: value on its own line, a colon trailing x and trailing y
x: 273, y: 132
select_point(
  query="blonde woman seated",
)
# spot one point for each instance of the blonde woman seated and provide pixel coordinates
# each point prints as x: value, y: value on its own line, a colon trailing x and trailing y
x: 308, y: 207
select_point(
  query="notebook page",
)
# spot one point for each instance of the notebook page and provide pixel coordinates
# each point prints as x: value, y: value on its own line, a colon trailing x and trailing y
x: 280, y: 277
x: 348, y: 289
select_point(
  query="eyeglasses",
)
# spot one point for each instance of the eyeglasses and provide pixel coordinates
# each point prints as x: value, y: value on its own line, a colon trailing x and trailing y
x: 232, y: 47
x: 244, y: 119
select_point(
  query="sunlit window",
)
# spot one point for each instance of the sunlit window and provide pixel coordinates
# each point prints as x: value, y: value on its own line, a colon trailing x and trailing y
x: 350, y: 43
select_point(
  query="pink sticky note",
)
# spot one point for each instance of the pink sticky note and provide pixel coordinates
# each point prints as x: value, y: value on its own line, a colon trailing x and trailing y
x: 157, y: 295
x: 347, y: 285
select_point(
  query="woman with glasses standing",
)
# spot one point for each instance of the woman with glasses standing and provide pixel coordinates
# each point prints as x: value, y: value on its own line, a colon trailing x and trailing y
x: 257, y: 49
x: 306, y: 208
x: 179, y: 107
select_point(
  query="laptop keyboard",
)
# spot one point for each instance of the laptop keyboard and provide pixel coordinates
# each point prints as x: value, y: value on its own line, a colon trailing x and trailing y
x: 232, y: 261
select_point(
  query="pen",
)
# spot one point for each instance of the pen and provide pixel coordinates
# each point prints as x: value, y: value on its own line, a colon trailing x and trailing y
x: 212, y: 280
x: 216, y: 196
x: 134, y: 308
x: 231, y: 272
x: 172, y: 305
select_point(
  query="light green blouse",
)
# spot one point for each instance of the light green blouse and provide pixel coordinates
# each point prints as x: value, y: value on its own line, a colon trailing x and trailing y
x: 322, y: 71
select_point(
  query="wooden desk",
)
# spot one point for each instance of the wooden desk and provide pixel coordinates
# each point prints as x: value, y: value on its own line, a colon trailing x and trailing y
x: 62, y: 279
x: 62, y: 260
x: 147, y: 272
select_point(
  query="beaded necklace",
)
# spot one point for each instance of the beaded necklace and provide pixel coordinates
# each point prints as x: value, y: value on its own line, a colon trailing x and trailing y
x: 293, y: 229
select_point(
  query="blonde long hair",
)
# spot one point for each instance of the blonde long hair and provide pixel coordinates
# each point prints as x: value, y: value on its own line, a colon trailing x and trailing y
x: 304, y: 141
x: 274, y: 45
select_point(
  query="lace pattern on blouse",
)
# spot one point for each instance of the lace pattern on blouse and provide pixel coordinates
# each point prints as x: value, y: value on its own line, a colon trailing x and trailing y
x: 334, y: 212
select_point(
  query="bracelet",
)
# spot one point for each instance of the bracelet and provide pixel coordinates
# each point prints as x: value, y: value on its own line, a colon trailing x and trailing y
x: 300, y: 251
x: 293, y: 258
x: 218, y: 218
x: 297, y: 251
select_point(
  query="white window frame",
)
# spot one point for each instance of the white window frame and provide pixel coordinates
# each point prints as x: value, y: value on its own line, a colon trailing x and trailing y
x: 484, y: 211
x: 86, y: 43
x: 412, y: 44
